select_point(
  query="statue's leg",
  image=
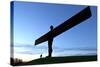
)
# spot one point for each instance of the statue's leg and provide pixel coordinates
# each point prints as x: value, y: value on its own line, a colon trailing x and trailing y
x: 50, y: 48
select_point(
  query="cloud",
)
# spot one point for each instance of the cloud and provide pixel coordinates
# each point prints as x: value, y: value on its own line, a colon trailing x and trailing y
x: 76, y: 49
x: 28, y: 52
x: 29, y: 46
x: 42, y: 49
x: 29, y: 49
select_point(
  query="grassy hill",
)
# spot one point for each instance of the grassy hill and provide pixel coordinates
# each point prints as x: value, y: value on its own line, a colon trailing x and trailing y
x: 65, y: 59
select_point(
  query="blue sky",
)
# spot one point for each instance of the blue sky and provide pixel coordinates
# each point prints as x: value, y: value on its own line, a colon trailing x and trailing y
x: 32, y: 20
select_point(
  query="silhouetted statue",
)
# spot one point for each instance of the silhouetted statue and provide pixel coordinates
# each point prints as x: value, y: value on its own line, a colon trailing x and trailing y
x: 41, y: 56
x: 66, y: 25
x: 50, y: 41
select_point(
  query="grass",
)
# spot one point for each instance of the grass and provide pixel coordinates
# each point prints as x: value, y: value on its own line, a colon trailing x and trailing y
x: 65, y: 59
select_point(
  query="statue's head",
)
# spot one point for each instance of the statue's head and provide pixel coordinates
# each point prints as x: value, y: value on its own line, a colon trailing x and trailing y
x: 51, y: 27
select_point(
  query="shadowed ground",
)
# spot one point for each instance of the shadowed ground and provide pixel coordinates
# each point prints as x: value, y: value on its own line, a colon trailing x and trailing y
x: 65, y: 59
